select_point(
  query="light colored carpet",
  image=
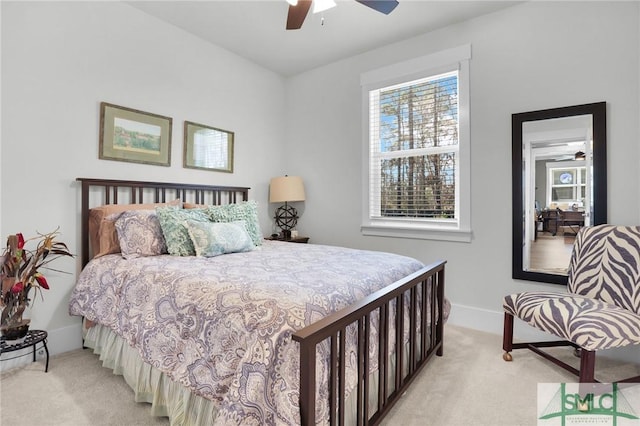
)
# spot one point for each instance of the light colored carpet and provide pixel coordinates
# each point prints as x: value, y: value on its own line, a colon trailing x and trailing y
x: 76, y: 391
x: 472, y: 385
x: 469, y: 385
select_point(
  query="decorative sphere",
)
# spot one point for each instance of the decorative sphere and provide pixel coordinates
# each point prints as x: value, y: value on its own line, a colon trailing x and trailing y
x: 286, y: 217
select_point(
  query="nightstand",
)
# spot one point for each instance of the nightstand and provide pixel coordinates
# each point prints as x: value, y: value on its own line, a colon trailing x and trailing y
x: 302, y: 240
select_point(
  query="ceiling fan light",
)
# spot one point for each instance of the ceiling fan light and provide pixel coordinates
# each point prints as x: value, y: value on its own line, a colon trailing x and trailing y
x: 322, y: 5
x: 293, y: 2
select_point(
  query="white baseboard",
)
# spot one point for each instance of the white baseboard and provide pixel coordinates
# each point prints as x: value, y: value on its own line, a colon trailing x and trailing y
x: 493, y: 321
x: 65, y: 339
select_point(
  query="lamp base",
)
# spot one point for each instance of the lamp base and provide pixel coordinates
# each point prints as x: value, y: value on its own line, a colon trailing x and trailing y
x: 286, y: 219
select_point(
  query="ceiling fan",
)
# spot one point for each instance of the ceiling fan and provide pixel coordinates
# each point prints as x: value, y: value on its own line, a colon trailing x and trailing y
x: 298, y: 9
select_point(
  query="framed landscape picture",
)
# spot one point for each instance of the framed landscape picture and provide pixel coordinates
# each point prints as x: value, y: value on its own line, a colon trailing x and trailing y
x: 208, y: 148
x: 130, y: 135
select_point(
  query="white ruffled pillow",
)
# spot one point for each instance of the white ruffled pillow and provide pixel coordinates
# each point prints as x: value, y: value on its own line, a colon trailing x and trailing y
x: 246, y: 211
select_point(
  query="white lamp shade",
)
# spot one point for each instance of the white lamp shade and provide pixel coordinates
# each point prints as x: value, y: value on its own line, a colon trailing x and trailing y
x: 286, y: 188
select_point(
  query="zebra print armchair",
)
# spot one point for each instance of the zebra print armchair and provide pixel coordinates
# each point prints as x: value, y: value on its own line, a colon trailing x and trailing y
x: 601, y: 309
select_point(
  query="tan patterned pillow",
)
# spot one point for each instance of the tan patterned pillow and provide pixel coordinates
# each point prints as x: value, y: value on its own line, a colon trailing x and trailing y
x: 194, y: 206
x: 103, y: 236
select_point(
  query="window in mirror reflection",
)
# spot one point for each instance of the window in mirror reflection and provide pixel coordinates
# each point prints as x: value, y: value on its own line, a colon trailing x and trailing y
x: 567, y: 185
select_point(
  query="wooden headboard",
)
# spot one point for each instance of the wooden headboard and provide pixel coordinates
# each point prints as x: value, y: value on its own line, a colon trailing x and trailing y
x: 98, y: 192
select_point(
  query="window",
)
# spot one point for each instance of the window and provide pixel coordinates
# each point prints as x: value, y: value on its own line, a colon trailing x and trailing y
x: 567, y: 185
x: 417, y: 148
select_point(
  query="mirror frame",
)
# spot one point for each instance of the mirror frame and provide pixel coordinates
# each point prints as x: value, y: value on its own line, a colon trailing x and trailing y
x: 599, y: 122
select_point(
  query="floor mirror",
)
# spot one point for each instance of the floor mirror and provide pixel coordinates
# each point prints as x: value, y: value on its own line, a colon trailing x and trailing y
x: 559, y: 186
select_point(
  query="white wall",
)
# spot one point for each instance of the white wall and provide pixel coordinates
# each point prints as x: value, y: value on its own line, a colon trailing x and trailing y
x: 532, y: 56
x: 59, y: 61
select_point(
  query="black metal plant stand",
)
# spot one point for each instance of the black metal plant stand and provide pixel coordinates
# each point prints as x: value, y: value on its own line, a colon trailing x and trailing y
x: 32, y: 338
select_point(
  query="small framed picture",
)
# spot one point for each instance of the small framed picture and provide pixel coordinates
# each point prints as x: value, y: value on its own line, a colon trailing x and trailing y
x: 130, y: 135
x: 208, y: 148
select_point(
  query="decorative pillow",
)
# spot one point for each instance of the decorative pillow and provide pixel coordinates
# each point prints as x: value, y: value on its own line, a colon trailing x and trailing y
x: 176, y: 235
x: 103, y: 236
x: 107, y: 237
x: 246, y: 211
x: 139, y: 234
x: 216, y: 238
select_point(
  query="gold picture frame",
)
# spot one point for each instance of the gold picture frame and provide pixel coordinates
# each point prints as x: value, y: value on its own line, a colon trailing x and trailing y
x: 207, y: 148
x: 135, y: 136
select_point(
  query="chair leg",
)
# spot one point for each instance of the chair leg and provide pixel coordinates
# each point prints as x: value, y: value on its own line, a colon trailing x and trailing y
x: 587, y: 366
x: 507, y: 337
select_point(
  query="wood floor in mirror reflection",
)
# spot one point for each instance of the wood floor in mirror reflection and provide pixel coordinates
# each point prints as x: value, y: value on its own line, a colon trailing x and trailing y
x: 551, y: 254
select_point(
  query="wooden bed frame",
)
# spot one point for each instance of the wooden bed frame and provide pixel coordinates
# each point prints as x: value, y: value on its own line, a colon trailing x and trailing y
x: 425, y: 334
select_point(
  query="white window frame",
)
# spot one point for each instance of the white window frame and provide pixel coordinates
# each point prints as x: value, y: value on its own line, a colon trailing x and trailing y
x: 414, y: 69
x: 577, y: 167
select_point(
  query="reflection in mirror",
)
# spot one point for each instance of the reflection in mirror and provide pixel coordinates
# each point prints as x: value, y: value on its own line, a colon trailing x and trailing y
x: 208, y: 148
x: 559, y: 178
x: 558, y: 190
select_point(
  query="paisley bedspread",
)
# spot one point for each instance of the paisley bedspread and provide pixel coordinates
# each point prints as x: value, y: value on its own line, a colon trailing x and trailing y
x: 222, y: 326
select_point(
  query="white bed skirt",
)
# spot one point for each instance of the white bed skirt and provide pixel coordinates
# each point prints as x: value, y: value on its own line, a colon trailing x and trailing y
x: 167, y: 398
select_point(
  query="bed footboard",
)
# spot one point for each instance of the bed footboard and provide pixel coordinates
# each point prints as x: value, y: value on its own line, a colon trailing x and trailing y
x: 425, y: 289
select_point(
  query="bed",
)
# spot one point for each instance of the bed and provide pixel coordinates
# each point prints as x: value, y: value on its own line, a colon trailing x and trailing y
x: 272, y: 333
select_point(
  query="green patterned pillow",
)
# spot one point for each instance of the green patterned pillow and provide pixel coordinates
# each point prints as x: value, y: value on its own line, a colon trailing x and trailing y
x: 216, y: 238
x: 176, y: 235
x: 246, y: 211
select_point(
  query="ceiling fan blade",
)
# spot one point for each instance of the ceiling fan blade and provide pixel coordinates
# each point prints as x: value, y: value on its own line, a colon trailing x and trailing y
x: 297, y: 14
x: 383, y: 6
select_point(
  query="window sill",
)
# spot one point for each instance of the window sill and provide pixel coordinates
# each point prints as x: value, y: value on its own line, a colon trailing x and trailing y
x: 417, y: 232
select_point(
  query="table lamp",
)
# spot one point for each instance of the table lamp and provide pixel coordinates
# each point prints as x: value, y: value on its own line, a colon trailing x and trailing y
x: 285, y: 189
